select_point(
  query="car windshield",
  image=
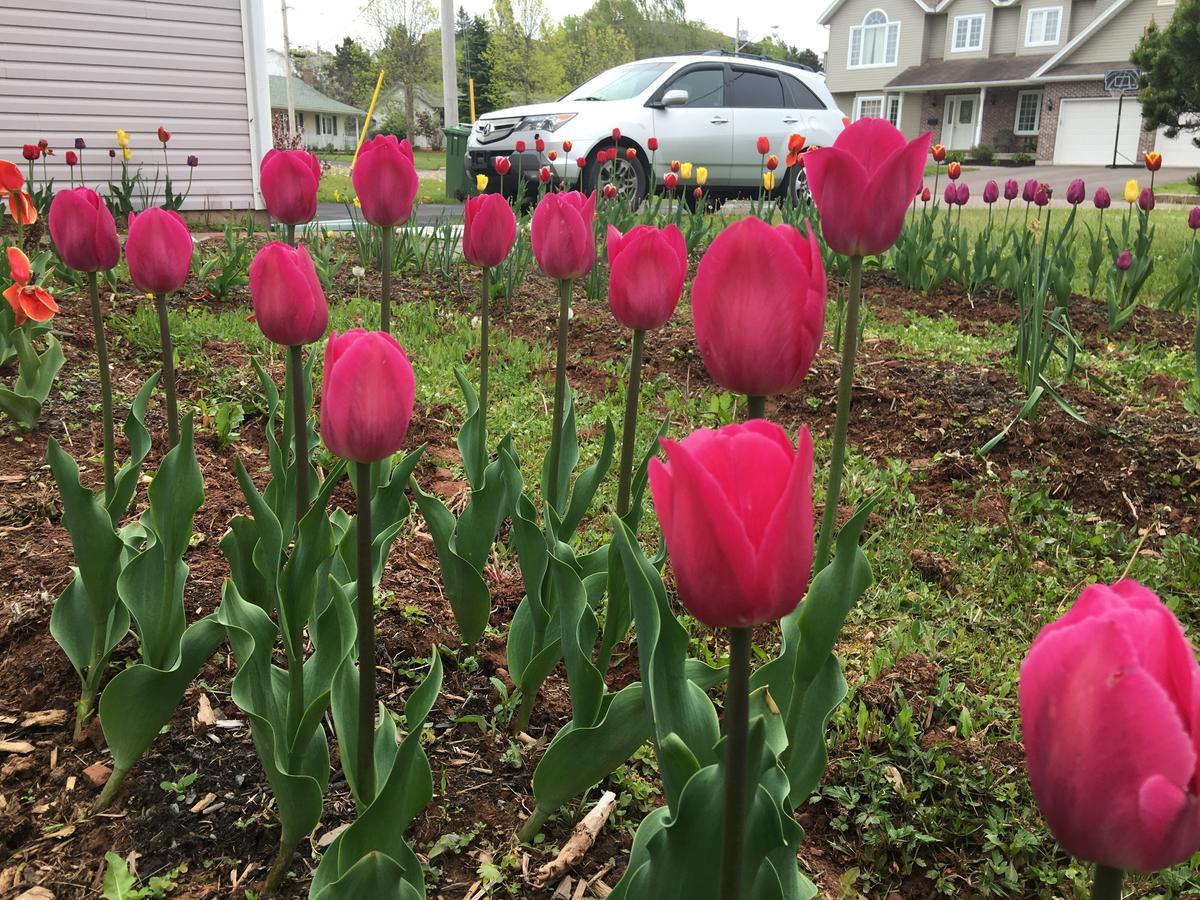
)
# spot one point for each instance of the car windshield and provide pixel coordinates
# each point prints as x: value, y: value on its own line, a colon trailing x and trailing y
x: 621, y: 83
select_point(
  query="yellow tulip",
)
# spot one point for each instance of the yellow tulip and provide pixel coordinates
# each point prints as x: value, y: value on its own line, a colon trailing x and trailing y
x: 127, y: 153
x: 122, y: 138
x: 701, y: 175
x: 1131, y: 191
x: 358, y: 203
x: 769, y: 180
x: 337, y: 197
x: 685, y: 171
x: 481, y: 182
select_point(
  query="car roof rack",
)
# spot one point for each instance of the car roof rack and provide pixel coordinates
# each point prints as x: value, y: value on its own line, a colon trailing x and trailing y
x: 761, y: 57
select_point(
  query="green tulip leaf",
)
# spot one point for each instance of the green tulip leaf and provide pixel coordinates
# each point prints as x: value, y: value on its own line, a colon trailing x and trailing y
x: 568, y: 456
x: 389, y: 511
x: 471, y: 442
x: 374, y: 877
x: 586, y: 485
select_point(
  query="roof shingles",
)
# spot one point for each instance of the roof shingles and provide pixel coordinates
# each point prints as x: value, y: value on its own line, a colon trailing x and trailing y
x: 308, y: 98
x: 989, y: 70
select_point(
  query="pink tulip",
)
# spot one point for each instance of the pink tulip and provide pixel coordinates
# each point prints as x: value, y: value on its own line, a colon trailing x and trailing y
x: 736, y: 511
x: 1110, y: 707
x: 647, y: 267
x: 489, y: 229
x: 158, y: 250
x: 1146, y: 199
x: 758, y: 303
x: 367, y: 394
x: 863, y: 184
x: 1029, y: 192
x: 1194, y: 218
x: 1124, y: 260
x: 83, y: 230
x: 1076, y: 192
x: 950, y: 195
x: 1102, y: 198
x: 1011, y: 189
x: 385, y: 180
x: 963, y: 194
x: 1042, y: 196
x: 289, y: 304
x: 991, y: 192
x: 561, y: 234
x: 289, y: 185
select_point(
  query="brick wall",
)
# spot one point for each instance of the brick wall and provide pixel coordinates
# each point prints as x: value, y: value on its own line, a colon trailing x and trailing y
x: 933, y: 105
x: 1067, y: 90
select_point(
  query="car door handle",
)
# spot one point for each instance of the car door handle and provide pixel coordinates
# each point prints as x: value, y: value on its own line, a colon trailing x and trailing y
x: 718, y: 120
x: 790, y: 121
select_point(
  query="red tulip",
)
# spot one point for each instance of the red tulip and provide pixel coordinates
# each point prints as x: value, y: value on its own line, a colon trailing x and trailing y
x: 385, y: 179
x: 610, y: 192
x: 31, y: 152
x: 520, y: 146
x: 289, y: 185
x: 795, y: 143
x: 772, y: 162
x: 539, y: 145
x: 647, y: 267
x: 1110, y: 708
x: 289, y: 305
x: 502, y: 164
x: 28, y: 301
x: 544, y: 174
x: 11, y: 178
x: 489, y: 229
x: 862, y: 185
x: 71, y: 157
x: 938, y: 152
x: 616, y: 135
x: 367, y: 394
x: 925, y: 195
x: 163, y: 134
x: 1153, y: 161
x: 758, y: 325
x: 763, y: 145
x: 1194, y: 218
x: 566, y: 146
x: 670, y: 180
x: 552, y: 155
x: 561, y: 234
x: 698, y: 193
x: 158, y: 249
x: 83, y: 230
x: 736, y: 512
x: 652, y: 143
x: 581, y: 161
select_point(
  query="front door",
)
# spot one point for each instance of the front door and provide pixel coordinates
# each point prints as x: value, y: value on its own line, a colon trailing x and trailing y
x: 961, y: 120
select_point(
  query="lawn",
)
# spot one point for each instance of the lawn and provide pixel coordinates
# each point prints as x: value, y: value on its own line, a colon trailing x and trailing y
x: 1186, y: 188
x: 336, y: 188
x: 425, y: 159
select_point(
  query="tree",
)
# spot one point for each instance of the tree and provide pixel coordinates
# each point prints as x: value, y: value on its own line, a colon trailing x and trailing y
x: 773, y: 47
x: 588, y: 47
x: 1170, y: 82
x: 406, y: 51
x: 472, y: 37
x: 524, y: 65
x: 351, y: 75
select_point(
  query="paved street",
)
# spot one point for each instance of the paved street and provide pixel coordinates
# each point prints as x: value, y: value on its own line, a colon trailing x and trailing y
x: 1058, y: 177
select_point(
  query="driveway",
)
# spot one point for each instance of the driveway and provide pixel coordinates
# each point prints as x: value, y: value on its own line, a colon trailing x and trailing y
x: 1058, y: 177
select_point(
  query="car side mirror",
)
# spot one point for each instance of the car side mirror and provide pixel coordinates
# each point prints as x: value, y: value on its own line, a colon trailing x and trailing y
x: 675, y: 98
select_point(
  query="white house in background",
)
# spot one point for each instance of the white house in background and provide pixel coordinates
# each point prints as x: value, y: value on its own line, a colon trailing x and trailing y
x: 84, y: 68
x: 325, y: 122
x: 423, y: 102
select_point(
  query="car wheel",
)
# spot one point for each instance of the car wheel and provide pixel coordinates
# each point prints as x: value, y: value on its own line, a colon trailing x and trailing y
x: 628, y: 175
x: 797, y: 193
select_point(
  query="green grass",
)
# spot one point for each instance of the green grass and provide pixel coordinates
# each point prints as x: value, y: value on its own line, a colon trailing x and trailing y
x: 1178, y: 187
x: 424, y: 159
x: 336, y: 188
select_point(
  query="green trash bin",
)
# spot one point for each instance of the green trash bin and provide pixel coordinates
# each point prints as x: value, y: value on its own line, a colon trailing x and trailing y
x: 456, y: 172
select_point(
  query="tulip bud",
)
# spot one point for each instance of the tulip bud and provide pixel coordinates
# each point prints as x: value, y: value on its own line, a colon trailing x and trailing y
x: 80, y: 144
x: 938, y: 152
x: 1108, y: 697
x: 1153, y: 161
x: 520, y: 146
x: 289, y: 305
x: 561, y: 234
x: 112, y: 153
x: 763, y: 145
x: 163, y: 134
x: 31, y: 152
x: 539, y: 145
x: 950, y: 195
x: 772, y: 162
x: 926, y: 194
x: 1076, y: 192
x: 127, y: 154
x: 769, y: 180
x: 367, y: 393
x: 502, y: 164
x: 741, y: 555
x: 193, y: 160
x: 698, y: 193
x: 83, y: 230
x: 610, y: 192
x: 991, y: 192
x: 652, y: 144
x: 43, y: 144
x: 552, y: 155
x: 701, y: 175
x: 795, y: 143
x: 676, y: 165
x: 1102, y: 199
x: 963, y: 194
x: 544, y: 174
x: 647, y: 267
x: 158, y: 249
x: 1124, y: 260
x: 566, y: 146
x: 616, y: 135
x: 954, y: 170
x: 758, y: 326
x: 1146, y: 200
x: 481, y: 182
x: 385, y: 180
x: 1131, y: 191
x: 581, y: 162
x: 1029, y: 191
x: 71, y: 158
x: 630, y: 153
x: 1194, y: 218
x: 489, y: 229
x: 1011, y: 189
x: 1042, y: 197
x: 289, y: 180
x: 685, y: 171
x: 670, y: 180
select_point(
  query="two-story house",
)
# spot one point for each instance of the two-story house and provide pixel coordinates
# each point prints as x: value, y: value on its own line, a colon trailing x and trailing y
x: 1016, y: 75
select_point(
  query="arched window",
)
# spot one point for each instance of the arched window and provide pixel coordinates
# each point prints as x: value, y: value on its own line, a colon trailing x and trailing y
x: 876, y: 42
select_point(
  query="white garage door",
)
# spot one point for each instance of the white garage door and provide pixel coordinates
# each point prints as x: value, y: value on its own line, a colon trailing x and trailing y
x: 1087, y: 131
x: 1179, y: 151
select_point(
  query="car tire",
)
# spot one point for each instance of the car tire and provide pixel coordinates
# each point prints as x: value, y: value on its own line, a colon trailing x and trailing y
x: 632, y: 173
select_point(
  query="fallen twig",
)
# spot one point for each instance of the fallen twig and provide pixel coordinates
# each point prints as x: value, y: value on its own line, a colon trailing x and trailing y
x: 579, y: 843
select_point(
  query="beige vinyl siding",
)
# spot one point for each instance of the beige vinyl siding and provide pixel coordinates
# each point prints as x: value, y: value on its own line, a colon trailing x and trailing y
x: 1005, y: 24
x: 1064, y: 25
x: 842, y: 79
x: 968, y: 8
x: 935, y: 36
x: 1082, y: 13
x: 84, y: 68
x: 1115, y: 39
x: 910, y: 116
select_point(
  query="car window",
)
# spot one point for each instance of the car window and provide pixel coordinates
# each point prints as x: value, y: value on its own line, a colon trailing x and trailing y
x: 756, y: 89
x: 621, y: 83
x: 802, y: 96
x: 705, y: 87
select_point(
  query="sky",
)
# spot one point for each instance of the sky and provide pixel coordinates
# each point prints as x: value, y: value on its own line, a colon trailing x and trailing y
x: 313, y: 22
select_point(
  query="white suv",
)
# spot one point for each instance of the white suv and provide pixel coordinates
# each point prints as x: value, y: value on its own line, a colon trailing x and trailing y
x: 705, y: 108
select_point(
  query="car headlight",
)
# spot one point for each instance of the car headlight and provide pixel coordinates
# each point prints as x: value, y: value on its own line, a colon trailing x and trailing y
x: 551, y: 122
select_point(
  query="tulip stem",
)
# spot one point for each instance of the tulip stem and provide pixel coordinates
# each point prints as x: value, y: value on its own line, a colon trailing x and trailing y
x: 485, y: 302
x: 737, y: 741
x: 842, y: 423
x: 366, y: 643
x: 291, y: 234
x: 629, y: 427
x: 168, y: 367
x: 560, y: 389
x: 756, y: 406
x: 1107, y: 883
x: 106, y: 402
x: 299, y: 413
x: 385, y: 261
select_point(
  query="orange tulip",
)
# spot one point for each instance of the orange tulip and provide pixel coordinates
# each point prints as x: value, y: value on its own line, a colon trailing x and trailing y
x: 938, y: 152
x: 1153, y: 161
x: 28, y: 301
x: 11, y: 178
x: 21, y: 208
x: 954, y: 170
x: 795, y: 148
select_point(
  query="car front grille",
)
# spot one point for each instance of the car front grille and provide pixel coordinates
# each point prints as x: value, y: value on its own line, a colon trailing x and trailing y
x: 489, y: 131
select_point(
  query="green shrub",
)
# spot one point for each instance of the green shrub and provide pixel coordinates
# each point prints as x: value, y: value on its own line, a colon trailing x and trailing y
x: 1194, y: 181
x: 983, y: 154
x: 1022, y: 159
x: 958, y: 156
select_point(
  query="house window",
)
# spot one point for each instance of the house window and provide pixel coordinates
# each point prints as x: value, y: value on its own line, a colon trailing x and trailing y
x: 876, y: 42
x: 894, y: 103
x: 1029, y: 112
x: 1041, y: 29
x: 300, y: 119
x: 868, y: 108
x: 968, y: 33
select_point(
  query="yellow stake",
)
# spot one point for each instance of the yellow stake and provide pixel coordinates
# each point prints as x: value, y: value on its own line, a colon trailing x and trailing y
x: 471, y: 94
x: 367, y: 124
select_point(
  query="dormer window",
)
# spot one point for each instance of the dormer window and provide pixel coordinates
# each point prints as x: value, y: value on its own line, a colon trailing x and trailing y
x: 876, y: 42
x: 1042, y: 26
x: 968, y: 33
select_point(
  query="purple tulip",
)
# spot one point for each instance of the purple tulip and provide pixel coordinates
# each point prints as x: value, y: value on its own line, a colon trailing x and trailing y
x: 1042, y: 196
x: 1124, y: 261
x: 963, y: 193
x: 951, y: 195
x: 79, y: 144
x: 991, y: 192
x: 1029, y: 192
x: 1011, y: 189
x: 1076, y: 192
x: 112, y: 154
x: 1146, y: 199
x: 1194, y: 218
x: 1102, y: 200
x: 193, y: 160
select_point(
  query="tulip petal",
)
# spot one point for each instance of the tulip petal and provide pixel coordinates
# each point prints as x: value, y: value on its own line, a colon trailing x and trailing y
x: 785, y: 551
x: 18, y: 266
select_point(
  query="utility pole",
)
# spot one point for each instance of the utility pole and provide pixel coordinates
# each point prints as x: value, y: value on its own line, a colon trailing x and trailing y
x: 287, y: 73
x: 449, y: 66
